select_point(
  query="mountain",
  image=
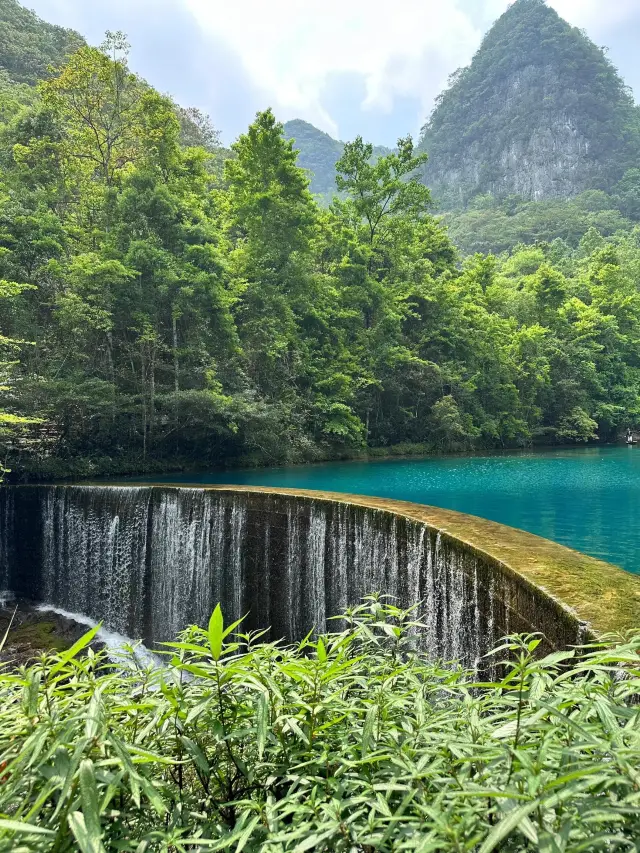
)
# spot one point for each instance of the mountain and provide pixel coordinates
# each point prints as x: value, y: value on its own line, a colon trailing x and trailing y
x: 319, y: 154
x: 539, y: 113
x: 29, y: 45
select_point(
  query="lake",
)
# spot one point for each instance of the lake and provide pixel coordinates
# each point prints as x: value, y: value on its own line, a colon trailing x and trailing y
x: 588, y: 499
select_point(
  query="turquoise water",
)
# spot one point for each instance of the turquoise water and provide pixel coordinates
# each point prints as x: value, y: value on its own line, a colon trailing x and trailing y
x: 588, y: 499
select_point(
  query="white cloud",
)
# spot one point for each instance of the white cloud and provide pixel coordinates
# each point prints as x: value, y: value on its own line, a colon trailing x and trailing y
x: 290, y: 47
x: 403, y: 48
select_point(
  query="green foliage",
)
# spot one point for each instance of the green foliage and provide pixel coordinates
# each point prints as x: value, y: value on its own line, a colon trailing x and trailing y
x: 627, y: 194
x: 319, y: 154
x: 197, y: 129
x: 11, y: 424
x: 348, y: 742
x: 30, y: 46
x: 183, y: 312
x: 381, y: 192
x: 491, y: 225
x: 111, y: 120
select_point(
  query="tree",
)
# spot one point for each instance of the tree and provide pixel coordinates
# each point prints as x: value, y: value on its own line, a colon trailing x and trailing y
x: 627, y: 194
x: 183, y: 317
x: 381, y: 191
x: 271, y: 215
x: 577, y: 426
x: 447, y: 424
x: 112, y: 120
x: 197, y: 129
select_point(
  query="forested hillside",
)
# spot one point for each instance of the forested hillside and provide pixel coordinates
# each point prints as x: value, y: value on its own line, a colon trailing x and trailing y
x: 319, y: 154
x: 493, y: 225
x: 159, y: 308
x: 29, y: 46
x: 537, y: 140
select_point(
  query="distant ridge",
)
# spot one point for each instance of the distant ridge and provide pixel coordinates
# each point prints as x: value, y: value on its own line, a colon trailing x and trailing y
x: 319, y: 154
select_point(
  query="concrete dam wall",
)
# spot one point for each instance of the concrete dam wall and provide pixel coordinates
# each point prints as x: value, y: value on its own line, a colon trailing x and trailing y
x: 149, y: 560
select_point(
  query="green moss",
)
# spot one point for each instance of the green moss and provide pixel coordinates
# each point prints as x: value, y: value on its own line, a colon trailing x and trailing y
x: 31, y: 634
x: 38, y: 636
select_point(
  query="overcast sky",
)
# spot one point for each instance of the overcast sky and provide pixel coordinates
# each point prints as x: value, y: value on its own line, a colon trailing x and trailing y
x: 347, y: 66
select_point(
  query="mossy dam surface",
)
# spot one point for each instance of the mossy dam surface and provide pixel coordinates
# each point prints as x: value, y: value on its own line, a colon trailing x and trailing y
x: 149, y: 560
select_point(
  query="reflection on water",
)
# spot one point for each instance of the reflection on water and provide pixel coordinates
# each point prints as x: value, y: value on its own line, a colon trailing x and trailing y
x: 588, y: 499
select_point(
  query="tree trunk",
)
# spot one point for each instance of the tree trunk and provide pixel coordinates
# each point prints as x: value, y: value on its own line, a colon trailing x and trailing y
x: 112, y: 373
x: 152, y: 386
x: 176, y: 365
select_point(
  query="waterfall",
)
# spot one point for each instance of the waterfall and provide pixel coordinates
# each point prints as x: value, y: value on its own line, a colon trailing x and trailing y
x: 94, y: 549
x: 181, y: 528
x: 6, y: 538
x: 235, y: 578
x: 315, y: 586
x: 148, y: 561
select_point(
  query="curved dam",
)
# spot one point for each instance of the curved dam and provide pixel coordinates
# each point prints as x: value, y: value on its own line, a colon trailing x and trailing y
x: 149, y: 560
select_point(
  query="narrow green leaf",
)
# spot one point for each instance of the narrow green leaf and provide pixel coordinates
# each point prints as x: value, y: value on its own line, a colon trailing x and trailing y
x: 93, y: 723
x: 89, y: 800
x: 507, y: 825
x: 246, y: 834
x: 31, y: 693
x: 197, y: 754
x: 23, y: 828
x: 556, y: 657
x: 153, y: 795
x: 232, y: 627
x: 86, y: 842
x: 322, y: 652
x: 75, y: 649
x: 368, y: 729
x: 262, y: 722
x: 314, y: 840
x: 216, y: 633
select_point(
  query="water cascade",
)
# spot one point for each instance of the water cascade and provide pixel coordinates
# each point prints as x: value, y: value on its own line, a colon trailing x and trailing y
x: 150, y: 560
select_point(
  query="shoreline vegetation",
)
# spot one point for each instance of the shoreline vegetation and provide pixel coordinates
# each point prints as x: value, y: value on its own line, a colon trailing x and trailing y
x: 80, y: 470
x: 347, y: 742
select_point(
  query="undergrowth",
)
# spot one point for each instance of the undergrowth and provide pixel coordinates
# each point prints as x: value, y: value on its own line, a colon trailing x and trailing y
x: 351, y: 742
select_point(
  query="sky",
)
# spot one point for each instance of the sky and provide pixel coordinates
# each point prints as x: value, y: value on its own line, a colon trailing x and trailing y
x: 369, y: 67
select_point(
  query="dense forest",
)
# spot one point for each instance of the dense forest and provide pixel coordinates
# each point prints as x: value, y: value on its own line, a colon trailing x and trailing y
x: 30, y: 47
x: 168, y: 303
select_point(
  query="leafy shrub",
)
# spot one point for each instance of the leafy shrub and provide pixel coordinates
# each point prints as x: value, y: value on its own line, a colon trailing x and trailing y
x: 351, y: 742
